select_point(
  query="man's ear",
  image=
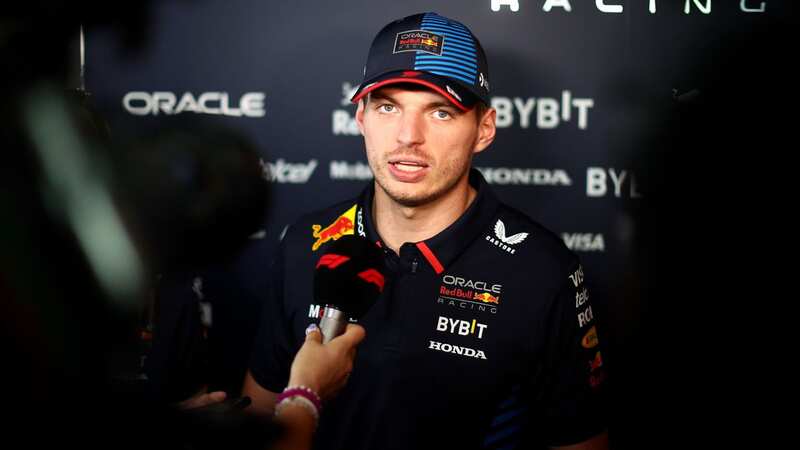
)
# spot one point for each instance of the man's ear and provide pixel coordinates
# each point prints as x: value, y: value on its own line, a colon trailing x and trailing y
x: 487, y: 129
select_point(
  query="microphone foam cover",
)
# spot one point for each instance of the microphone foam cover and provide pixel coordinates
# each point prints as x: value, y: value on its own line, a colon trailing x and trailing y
x: 350, y: 275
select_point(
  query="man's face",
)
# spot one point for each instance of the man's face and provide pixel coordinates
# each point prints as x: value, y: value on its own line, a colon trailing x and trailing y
x: 419, y: 145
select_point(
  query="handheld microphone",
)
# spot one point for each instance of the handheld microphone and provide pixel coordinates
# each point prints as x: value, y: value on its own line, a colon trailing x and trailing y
x: 348, y: 279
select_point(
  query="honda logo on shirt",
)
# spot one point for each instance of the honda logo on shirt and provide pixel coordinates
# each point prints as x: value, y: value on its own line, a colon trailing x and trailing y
x: 456, y: 350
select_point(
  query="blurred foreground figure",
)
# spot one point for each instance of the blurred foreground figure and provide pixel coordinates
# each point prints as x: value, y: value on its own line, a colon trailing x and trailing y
x: 86, y: 223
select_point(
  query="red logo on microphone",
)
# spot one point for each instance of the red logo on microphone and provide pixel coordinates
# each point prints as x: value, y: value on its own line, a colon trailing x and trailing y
x: 374, y: 277
x: 332, y: 260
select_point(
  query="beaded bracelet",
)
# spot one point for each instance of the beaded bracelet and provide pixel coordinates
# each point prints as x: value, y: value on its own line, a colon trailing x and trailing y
x: 301, y: 395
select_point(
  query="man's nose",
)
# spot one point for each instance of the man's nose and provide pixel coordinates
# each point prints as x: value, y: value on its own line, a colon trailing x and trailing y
x: 412, y: 129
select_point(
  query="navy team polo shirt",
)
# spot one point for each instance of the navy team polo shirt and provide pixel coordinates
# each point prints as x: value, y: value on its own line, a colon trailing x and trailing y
x: 484, y: 335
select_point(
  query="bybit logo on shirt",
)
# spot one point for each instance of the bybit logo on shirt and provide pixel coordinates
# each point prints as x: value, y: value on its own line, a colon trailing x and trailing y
x: 461, y: 327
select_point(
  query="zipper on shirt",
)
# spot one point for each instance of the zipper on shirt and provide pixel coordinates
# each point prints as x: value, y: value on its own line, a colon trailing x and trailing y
x: 414, y: 266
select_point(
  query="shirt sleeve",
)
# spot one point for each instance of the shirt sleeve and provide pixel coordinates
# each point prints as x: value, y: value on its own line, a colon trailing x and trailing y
x: 571, y: 396
x: 274, y: 347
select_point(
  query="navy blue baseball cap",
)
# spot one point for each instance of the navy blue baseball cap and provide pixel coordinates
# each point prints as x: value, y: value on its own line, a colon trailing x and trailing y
x: 430, y: 50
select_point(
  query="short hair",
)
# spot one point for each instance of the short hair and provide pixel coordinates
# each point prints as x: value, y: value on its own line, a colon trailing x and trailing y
x: 480, y: 110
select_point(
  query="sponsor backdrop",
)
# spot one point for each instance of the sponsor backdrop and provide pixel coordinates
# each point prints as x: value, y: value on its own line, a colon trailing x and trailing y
x: 575, y: 84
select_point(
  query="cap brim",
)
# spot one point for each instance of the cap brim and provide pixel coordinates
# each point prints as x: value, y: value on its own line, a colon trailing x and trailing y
x: 463, y: 100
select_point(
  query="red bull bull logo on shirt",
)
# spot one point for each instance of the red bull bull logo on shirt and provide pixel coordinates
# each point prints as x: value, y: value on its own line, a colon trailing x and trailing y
x: 486, y: 297
x: 342, y: 226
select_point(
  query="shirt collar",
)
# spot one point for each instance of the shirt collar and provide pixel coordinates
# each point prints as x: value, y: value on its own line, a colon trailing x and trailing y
x: 440, y: 250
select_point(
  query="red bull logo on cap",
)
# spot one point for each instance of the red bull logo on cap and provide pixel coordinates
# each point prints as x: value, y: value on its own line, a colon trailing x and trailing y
x: 342, y: 226
x: 486, y: 297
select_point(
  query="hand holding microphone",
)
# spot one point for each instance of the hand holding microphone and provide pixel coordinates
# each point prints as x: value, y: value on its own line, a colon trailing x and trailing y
x: 324, y: 368
x: 348, y: 278
x: 318, y: 372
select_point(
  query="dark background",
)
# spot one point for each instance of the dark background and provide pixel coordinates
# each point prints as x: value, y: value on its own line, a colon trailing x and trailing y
x: 687, y: 102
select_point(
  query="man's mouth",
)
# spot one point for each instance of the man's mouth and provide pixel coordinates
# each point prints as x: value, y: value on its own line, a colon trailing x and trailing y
x: 408, y: 166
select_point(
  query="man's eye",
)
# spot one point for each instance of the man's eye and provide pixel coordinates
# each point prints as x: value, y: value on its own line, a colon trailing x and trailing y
x: 386, y: 108
x: 441, y: 114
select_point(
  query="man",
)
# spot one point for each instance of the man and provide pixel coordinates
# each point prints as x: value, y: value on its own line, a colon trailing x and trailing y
x: 483, y: 336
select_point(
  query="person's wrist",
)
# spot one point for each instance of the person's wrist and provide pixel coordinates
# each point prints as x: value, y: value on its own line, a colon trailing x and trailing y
x: 302, y: 396
x: 294, y: 413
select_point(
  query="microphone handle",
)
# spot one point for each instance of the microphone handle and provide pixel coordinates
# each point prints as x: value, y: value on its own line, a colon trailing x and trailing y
x: 332, y: 324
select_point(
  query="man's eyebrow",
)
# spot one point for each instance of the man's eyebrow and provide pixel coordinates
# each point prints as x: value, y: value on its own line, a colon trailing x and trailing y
x: 442, y: 105
x: 378, y: 96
